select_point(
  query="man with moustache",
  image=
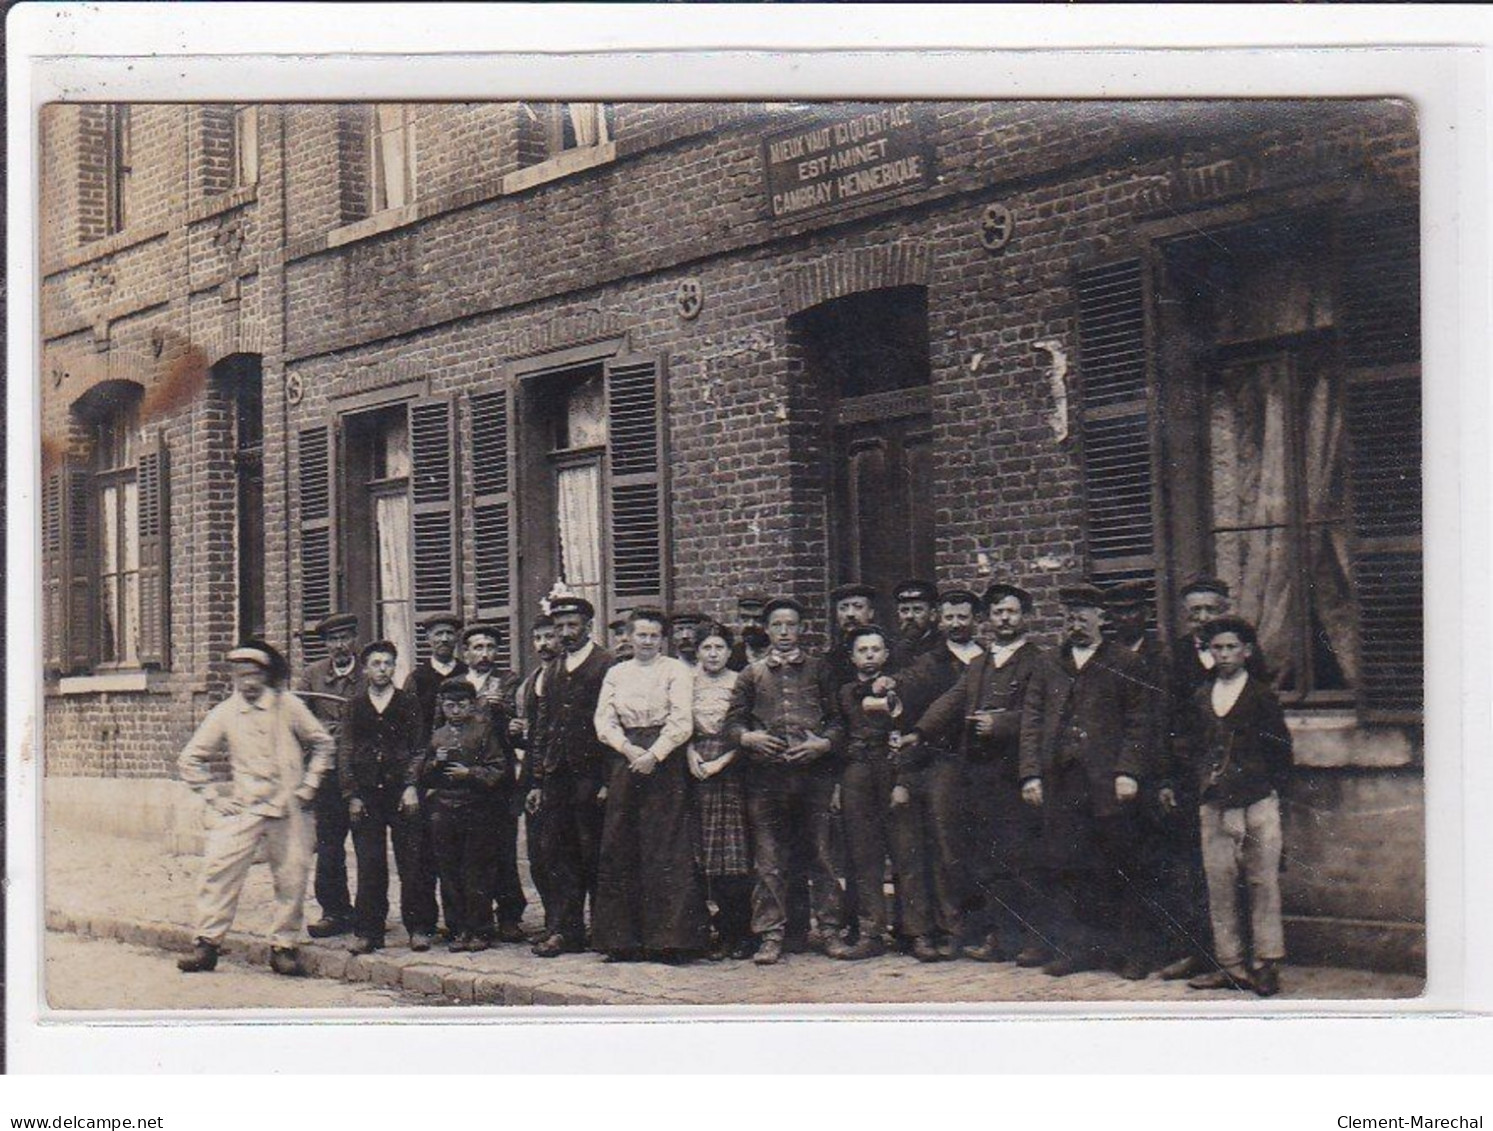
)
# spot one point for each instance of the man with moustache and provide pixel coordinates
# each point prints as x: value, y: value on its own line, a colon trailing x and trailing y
x: 1082, y: 757
x: 442, y: 631
x: 327, y: 685
x: 567, y: 789
x: 917, y: 623
x: 854, y: 607
x: 684, y: 632
x: 973, y: 724
x: 545, y: 643
x: 752, y: 643
x: 495, y: 688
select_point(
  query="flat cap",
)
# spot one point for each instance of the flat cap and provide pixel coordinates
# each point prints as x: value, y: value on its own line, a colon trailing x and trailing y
x: 559, y: 605
x: 1127, y: 595
x: 854, y: 589
x: 1205, y: 584
x: 480, y: 629
x: 434, y: 620
x: 1084, y: 596
x: 916, y: 591
x: 751, y: 604
x: 999, y: 590
x: 336, y: 621
x: 457, y: 688
x: 960, y: 597
x: 687, y: 617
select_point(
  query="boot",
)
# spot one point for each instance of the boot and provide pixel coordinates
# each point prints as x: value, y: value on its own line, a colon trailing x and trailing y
x: 925, y: 950
x: 770, y: 952
x: 1266, y: 978
x: 202, y: 960
x: 286, y: 961
x: 364, y: 945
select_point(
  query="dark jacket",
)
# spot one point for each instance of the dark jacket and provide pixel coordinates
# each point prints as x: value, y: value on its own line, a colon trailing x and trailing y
x: 319, y: 679
x: 980, y: 687
x: 1095, y: 719
x: 785, y: 699
x: 866, y: 734
x: 1240, y: 758
x: 1156, y: 671
x: 906, y: 653
x: 379, y: 751
x: 565, y: 722
x: 425, y: 683
x: 477, y: 745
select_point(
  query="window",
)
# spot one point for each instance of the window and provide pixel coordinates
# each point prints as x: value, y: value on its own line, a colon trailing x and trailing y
x: 549, y: 129
x: 245, y: 146
x: 584, y: 124
x: 116, y: 502
x: 392, y: 156
x: 579, y: 421
x: 118, y: 158
x: 248, y: 460
x: 378, y: 547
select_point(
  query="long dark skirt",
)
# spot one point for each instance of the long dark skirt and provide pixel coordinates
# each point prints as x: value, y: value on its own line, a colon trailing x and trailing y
x: 650, y: 892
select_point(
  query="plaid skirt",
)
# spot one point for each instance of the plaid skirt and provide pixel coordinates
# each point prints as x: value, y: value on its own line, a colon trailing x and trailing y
x: 724, y: 848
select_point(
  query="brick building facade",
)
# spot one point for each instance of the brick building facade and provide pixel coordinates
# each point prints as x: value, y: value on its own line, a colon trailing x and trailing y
x: 405, y: 358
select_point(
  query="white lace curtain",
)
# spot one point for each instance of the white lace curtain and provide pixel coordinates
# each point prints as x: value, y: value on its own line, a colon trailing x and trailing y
x: 579, y: 494
x: 589, y: 121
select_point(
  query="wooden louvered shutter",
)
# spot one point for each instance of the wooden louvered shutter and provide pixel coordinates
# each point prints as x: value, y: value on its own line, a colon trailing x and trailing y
x: 1114, y: 378
x: 492, y: 488
x: 1380, y: 289
x: 635, y: 450
x: 316, y: 463
x: 155, y: 582
x: 65, y: 559
x: 432, y: 512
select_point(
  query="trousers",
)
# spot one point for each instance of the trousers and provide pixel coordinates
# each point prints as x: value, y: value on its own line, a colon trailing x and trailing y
x: 332, y: 829
x: 466, y: 848
x: 570, y: 844
x: 789, y: 807
x: 873, y: 829
x: 1244, y: 841
x: 508, y: 888
x: 232, y: 844
x: 381, y: 823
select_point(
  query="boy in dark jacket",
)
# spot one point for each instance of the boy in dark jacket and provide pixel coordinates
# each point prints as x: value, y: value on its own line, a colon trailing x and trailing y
x: 378, y: 751
x: 876, y: 785
x: 467, y: 773
x: 1241, y: 750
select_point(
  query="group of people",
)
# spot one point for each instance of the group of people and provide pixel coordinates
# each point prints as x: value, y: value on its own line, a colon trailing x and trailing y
x: 946, y: 788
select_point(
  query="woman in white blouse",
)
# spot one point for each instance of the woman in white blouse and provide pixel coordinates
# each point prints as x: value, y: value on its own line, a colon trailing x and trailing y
x: 650, y: 894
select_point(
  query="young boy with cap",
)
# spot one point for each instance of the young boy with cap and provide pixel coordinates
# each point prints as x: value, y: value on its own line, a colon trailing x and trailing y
x: 1241, y: 753
x: 467, y: 772
x: 267, y: 734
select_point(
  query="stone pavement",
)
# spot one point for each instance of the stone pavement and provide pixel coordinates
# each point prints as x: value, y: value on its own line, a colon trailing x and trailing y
x: 106, y: 887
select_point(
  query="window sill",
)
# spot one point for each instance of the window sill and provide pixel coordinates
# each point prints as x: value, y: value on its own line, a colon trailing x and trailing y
x: 112, y: 682
x: 564, y: 165
x: 1336, y: 738
x: 378, y: 223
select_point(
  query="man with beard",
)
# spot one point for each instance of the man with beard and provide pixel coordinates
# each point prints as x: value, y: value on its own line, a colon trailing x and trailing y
x: 752, y: 644
x: 568, y: 788
x: 854, y: 606
x: 442, y: 630
x: 917, y: 623
x: 521, y: 730
x: 621, y: 629
x: 973, y: 726
x: 496, y: 687
x: 327, y: 685
x: 1082, y: 757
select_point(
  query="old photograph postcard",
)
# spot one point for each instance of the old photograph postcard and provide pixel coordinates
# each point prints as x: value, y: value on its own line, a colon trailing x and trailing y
x: 720, y: 553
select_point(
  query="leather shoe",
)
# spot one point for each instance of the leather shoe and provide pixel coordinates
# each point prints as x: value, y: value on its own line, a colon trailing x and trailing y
x: 1066, y: 964
x: 1188, y: 967
x: 1220, y: 980
x: 948, y: 949
x: 478, y: 943
x: 1133, y: 969
x: 988, y: 951
x: 1266, y: 978
x: 770, y: 952
x: 552, y: 946
x: 1032, y: 957
x: 925, y: 950
x: 286, y: 961
x: 867, y: 946
x: 329, y: 928
x: 202, y: 960
x: 460, y: 944
x: 743, y: 950
x: 419, y: 942
x: 361, y: 945
x: 511, y: 933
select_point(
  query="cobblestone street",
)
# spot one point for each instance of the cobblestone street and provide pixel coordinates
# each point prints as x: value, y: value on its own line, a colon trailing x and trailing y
x: 125, y: 889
